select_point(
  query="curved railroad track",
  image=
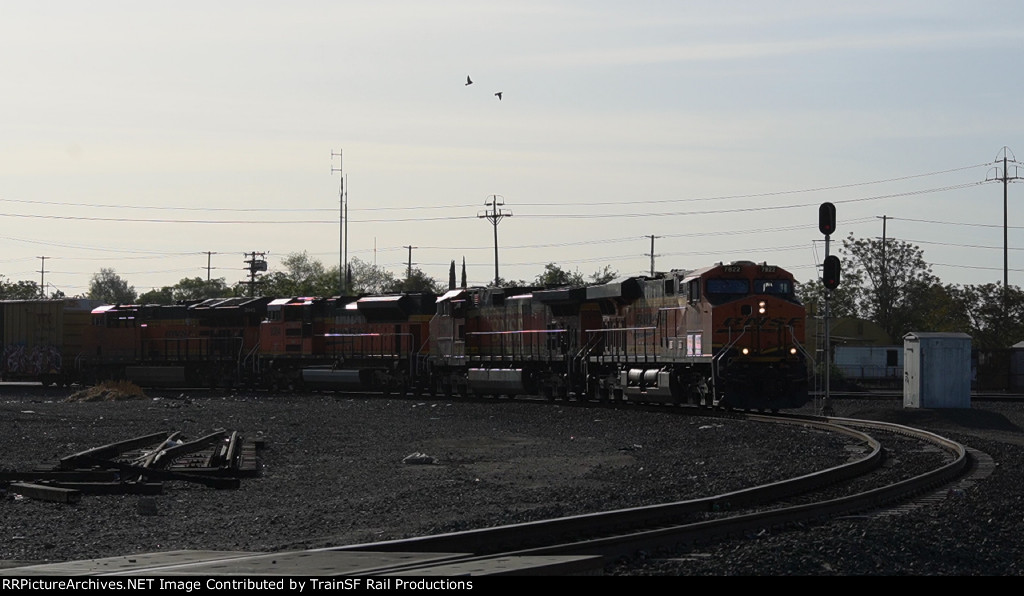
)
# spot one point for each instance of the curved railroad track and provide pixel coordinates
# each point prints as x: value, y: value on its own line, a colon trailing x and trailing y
x: 864, y: 483
x: 853, y: 487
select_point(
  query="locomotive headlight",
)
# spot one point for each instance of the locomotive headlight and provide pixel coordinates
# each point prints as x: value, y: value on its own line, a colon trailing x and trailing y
x: 792, y: 351
x: 745, y: 351
x: 760, y: 307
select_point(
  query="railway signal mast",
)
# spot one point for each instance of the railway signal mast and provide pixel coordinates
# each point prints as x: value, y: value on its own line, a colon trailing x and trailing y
x: 830, y: 278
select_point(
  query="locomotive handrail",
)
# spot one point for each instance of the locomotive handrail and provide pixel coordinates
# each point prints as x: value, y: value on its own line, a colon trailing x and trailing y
x: 410, y: 352
x: 717, y: 359
x: 799, y: 346
x: 614, y: 349
x: 535, y: 349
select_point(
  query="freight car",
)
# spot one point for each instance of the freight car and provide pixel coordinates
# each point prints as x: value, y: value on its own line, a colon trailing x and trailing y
x: 41, y: 339
x: 729, y: 334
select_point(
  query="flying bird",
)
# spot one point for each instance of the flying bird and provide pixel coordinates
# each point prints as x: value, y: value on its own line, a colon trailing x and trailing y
x: 498, y: 94
x: 469, y: 81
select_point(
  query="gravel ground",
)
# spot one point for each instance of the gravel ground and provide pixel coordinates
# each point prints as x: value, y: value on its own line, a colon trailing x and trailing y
x: 333, y: 474
x: 976, y: 530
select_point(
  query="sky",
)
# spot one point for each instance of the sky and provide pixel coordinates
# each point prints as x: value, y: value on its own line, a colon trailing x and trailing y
x: 167, y: 140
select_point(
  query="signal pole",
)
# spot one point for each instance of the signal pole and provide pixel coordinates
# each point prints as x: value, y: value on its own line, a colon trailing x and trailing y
x: 495, y: 216
x: 830, y: 279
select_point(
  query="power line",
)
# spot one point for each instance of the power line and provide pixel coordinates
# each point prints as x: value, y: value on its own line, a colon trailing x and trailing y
x: 631, y: 215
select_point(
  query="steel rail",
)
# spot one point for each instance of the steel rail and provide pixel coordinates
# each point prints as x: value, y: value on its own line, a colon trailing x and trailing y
x: 623, y: 532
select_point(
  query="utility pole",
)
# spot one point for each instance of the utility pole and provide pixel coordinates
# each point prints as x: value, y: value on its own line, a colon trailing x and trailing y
x: 886, y: 304
x: 408, y: 274
x: 42, y: 276
x: 1008, y: 158
x: 256, y: 264
x: 208, y: 267
x: 342, y: 285
x: 652, y: 255
x: 495, y: 215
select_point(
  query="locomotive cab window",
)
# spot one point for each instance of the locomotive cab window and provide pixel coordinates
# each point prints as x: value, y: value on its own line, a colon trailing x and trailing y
x: 778, y: 287
x: 728, y: 286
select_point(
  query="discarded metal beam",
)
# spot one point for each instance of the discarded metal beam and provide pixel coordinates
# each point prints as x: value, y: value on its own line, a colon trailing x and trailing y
x: 61, y: 476
x: 113, y: 488
x: 168, y: 455
x: 46, y: 493
x: 112, y: 450
x: 158, y: 474
x: 147, y: 460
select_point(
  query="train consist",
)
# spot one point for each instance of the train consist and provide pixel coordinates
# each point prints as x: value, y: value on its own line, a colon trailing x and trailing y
x: 729, y: 334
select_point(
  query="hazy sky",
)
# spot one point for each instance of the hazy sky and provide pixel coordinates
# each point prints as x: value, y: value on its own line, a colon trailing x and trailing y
x: 140, y: 136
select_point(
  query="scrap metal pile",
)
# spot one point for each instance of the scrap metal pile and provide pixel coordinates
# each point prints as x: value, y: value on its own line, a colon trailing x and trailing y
x: 140, y: 466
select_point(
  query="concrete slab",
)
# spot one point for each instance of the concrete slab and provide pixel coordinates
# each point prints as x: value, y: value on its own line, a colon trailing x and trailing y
x: 313, y: 563
x: 110, y: 565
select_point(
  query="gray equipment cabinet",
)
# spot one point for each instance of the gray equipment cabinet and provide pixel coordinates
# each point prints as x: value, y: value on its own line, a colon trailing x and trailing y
x: 936, y: 370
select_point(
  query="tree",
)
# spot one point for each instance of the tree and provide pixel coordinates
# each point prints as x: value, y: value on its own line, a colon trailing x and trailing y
x: 451, y: 276
x: 189, y: 288
x: 988, y: 325
x: 844, y: 301
x: 302, y: 275
x: 107, y: 286
x: 368, y: 278
x: 898, y: 279
x: 554, y: 275
x: 889, y: 283
x: 162, y: 296
x: 416, y: 282
x: 22, y: 290
x: 603, y: 276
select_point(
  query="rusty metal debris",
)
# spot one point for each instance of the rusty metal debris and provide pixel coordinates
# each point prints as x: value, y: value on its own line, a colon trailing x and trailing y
x: 140, y: 466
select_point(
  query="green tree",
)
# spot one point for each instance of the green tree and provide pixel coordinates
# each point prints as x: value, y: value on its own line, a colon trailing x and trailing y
x: 162, y: 296
x: 554, y: 275
x: 897, y: 278
x: 889, y: 283
x: 603, y: 276
x: 844, y: 301
x: 301, y: 275
x: 21, y: 290
x: 108, y: 287
x: 188, y: 288
x: 368, y: 278
x: 988, y: 324
x: 417, y: 282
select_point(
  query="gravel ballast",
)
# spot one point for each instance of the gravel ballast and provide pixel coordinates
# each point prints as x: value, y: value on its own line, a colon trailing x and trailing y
x: 347, y: 470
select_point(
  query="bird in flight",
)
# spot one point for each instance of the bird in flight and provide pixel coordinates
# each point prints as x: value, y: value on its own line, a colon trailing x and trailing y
x: 469, y: 81
x: 498, y: 95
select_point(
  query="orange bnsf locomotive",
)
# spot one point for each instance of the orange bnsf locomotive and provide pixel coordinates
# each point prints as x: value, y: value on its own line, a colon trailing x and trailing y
x: 724, y: 335
x: 730, y: 334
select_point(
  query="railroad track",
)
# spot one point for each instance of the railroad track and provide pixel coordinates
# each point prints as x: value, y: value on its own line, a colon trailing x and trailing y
x: 847, y: 489
x: 853, y: 488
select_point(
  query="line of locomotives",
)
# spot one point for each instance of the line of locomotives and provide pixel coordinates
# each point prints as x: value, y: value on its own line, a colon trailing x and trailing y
x: 729, y: 334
